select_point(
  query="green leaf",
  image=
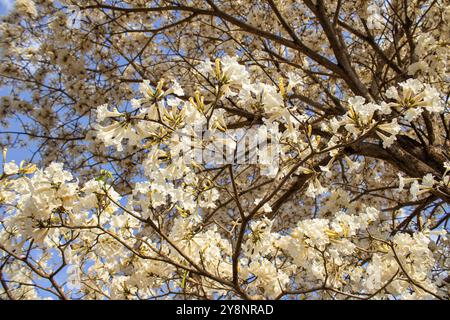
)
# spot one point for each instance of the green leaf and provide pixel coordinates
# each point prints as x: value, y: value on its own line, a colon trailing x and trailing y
x: 183, y: 283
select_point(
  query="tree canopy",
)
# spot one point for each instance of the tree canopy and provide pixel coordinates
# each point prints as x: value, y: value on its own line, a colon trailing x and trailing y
x: 346, y: 195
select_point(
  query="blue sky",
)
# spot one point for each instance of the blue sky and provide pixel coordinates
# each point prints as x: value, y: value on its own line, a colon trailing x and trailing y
x: 13, y: 154
x: 5, y: 6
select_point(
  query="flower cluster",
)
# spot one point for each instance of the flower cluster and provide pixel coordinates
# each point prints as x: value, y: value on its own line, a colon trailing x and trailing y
x: 199, y: 153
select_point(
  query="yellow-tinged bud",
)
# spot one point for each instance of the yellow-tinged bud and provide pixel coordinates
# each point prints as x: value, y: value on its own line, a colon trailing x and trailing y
x: 168, y: 115
x: 150, y: 143
x: 28, y: 169
x: 352, y: 113
x: 196, y: 165
x: 309, y: 130
x: 318, y: 138
x: 199, y: 99
x: 198, y: 104
x: 333, y: 235
x: 383, y: 247
x: 345, y: 230
x: 281, y: 86
x: 218, y: 73
x: 109, y: 209
x: 191, y: 100
x: 182, y: 212
x: 208, y: 183
x: 407, y: 93
x: 5, y: 150
x: 159, y: 87
x: 306, y: 170
x: 220, y: 126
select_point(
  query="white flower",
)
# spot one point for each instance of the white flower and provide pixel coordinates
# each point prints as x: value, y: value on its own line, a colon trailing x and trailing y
x: 270, y: 170
x: 103, y: 113
x: 265, y: 273
x: 374, y: 20
x: 176, y: 88
x: 414, y: 190
x: 419, y: 188
x: 418, y: 66
x: 392, y: 93
x: 401, y: 182
x: 315, y: 188
x: 415, y: 97
x: 266, y: 94
x: 428, y: 181
x: 432, y: 99
x: 271, y: 98
x: 335, y: 124
x: 352, y: 165
x: 26, y: 7
x: 233, y: 71
x: 327, y: 168
x: 206, y: 67
x: 11, y: 168
x: 412, y: 114
x: 293, y: 80
x: 393, y: 128
x: 113, y: 134
x: 209, y: 197
x: 414, y: 85
x: 356, y: 102
x: 447, y: 166
x: 57, y: 174
x: 266, y: 207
